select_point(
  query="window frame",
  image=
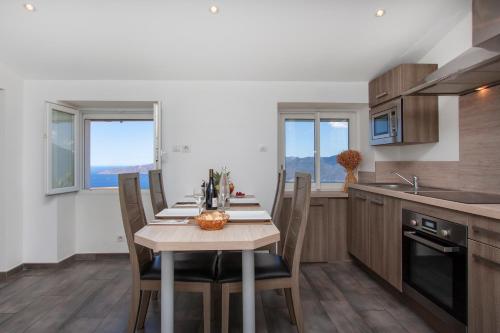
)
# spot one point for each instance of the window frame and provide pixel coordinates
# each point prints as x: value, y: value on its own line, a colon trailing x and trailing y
x: 49, y: 189
x: 88, y: 116
x: 349, y: 115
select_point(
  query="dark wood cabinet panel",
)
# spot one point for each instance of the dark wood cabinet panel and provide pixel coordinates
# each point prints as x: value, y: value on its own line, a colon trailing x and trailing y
x: 484, y: 230
x: 315, y: 248
x: 394, y: 82
x: 337, y: 230
x: 325, y: 239
x: 484, y: 288
x: 375, y: 234
x: 359, y: 232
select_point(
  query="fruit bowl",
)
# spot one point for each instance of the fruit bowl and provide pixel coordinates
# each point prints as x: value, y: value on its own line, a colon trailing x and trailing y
x: 211, y: 220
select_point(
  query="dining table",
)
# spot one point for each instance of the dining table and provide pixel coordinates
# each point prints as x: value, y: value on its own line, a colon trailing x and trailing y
x: 169, y: 233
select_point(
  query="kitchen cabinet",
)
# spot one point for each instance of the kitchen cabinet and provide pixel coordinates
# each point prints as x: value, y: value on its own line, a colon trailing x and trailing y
x: 484, y: 288
x: 394, y: 82
x: 374, y: 231
x: 325, y: 237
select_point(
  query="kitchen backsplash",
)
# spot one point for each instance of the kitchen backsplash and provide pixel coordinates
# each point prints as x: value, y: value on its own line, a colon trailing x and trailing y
x: 479, y: 165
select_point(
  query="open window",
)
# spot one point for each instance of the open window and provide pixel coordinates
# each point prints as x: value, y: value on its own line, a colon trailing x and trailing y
x: 62, y: 149
x: 90, y: 145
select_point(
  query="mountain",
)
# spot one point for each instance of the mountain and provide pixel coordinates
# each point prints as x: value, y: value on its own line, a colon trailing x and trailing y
x: 331, y: 171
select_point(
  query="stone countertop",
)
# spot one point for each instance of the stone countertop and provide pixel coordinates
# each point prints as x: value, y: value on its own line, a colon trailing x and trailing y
x: 487, y: 210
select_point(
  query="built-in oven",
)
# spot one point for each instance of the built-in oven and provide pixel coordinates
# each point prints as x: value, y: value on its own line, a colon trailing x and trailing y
x: 435, y: 267
x: 386, y: 123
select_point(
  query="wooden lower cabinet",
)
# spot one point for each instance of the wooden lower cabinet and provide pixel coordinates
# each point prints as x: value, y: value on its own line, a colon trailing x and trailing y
x: 374, y: 234
x: 484, y: 288
x: 325, y: 238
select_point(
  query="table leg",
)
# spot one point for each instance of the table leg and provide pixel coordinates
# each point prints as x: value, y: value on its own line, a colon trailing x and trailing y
x: 248, y: 292
x: 167, y: 292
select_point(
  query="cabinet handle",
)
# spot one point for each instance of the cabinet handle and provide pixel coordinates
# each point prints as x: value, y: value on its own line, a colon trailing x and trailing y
x: 360, y: 197
x: 478, y: 230
x: 486, y: 260
x: 377, y: 202
x: 382, y: 94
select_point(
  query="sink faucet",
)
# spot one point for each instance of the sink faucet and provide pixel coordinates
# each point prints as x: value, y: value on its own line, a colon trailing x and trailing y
x: 413, y: 183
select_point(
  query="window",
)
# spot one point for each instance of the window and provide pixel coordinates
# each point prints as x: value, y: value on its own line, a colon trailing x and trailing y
x: 310, y: 142
x: 114, y: 146
x: 88, y: 148
x: 62, y: 149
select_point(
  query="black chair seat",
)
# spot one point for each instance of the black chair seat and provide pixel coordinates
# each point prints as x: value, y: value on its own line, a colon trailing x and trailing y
x: 267, y: 266
x: 189, y: 267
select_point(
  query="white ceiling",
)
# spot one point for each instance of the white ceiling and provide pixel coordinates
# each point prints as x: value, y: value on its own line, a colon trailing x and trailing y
x: 309, y: 40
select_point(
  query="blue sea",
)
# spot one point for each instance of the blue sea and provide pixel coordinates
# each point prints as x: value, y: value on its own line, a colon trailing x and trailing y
x: 111, y: 180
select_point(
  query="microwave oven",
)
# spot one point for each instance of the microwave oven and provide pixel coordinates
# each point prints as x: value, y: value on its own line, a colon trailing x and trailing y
x: 386, y: 123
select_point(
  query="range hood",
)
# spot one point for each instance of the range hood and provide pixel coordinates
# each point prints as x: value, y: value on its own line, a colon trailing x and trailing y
x: 477, y: 67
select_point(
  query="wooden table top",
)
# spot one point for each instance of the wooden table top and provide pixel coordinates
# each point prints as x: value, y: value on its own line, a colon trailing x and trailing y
x: 244, y: 235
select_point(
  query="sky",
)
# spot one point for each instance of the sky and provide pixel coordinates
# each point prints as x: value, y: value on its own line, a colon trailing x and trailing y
x: 299, y: 134
x: 126, y: 143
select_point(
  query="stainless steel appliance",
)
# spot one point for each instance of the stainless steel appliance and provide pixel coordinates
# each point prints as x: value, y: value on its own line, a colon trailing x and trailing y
x: 476, y: 68
x: 386, y: 124
x: 435, y: 267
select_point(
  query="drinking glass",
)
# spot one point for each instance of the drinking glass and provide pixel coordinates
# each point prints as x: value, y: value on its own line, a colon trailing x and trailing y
x: 199, y: 197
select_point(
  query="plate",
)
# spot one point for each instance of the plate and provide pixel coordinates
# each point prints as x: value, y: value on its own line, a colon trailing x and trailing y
x: 248, y: 215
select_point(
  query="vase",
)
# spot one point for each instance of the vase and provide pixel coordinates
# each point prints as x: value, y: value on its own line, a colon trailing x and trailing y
x: 350, y: 178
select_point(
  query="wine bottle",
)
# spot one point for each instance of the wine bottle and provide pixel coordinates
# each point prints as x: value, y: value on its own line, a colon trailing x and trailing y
x: 211, y: 195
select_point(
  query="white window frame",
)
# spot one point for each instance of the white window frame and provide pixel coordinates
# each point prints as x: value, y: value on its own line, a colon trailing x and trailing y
x: 317, y: 115
x: 49, y: 190
x: 88, y: 116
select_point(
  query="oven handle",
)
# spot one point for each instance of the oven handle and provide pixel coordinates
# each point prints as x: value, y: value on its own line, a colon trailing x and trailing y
x: 435, y: 246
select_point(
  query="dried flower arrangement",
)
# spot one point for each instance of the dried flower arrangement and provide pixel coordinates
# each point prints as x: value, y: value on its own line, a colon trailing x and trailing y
x: 350, y: 160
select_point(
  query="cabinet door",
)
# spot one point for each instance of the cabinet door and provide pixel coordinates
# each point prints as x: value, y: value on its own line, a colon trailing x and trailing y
x: 315, y: 248
x: 392, y: 271
x: 359, y: 232
x: 484, y: 288
x: 377, y: 237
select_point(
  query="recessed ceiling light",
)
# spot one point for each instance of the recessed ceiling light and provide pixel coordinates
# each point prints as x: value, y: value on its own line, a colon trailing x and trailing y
x: 380, y: 12
x: 29, y: 7
x: 482, y: 88
x: 214, y: 9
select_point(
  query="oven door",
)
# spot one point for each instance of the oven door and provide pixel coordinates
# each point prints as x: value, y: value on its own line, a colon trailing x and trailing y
x: 437, y: 270
x: 386, y: 123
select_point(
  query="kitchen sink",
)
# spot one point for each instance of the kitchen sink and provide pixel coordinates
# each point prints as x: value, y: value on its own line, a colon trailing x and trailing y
x: 405, y: 187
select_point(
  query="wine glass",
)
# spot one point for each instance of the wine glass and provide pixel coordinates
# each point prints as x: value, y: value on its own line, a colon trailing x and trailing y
x: 199, y: 198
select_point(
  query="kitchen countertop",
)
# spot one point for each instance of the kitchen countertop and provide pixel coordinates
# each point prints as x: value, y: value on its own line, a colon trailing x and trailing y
x: 487, y: 210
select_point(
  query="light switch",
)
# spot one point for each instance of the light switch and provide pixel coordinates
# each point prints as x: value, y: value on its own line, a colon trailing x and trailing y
x: 176, y: 149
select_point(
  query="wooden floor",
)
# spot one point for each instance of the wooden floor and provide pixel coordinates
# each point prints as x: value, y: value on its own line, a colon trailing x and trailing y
x: 93, y: 296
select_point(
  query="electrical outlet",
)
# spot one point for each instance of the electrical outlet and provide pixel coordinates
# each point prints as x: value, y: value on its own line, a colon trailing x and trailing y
x: 176, y: 149
x: 119, y: 239
x: 186, y: 149
x: 262, y: 148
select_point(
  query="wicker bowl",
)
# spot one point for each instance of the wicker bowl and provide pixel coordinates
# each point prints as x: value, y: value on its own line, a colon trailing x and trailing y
x: 212, y: 220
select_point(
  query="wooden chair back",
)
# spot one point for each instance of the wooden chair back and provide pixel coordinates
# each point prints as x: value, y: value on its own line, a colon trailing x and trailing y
x: 157, y: 192
x: 294, y: 239
x: 279, y: 196
x: 134, y: 219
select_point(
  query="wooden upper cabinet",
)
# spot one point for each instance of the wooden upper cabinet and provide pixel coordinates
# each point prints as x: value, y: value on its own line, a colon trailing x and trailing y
x: 394, y: 82
x: 484, y: 288
x: 485, y: 22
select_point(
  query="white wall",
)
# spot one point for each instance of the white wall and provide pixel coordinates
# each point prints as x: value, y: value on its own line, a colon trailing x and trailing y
x: 223, y: 122
x: 10, y: 161
x: 451, y: 45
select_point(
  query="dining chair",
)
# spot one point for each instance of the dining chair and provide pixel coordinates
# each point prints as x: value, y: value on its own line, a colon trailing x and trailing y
x: 157, y: 191
x: 276, y: 210
x: 273, y: 271
x: 194, y: 272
